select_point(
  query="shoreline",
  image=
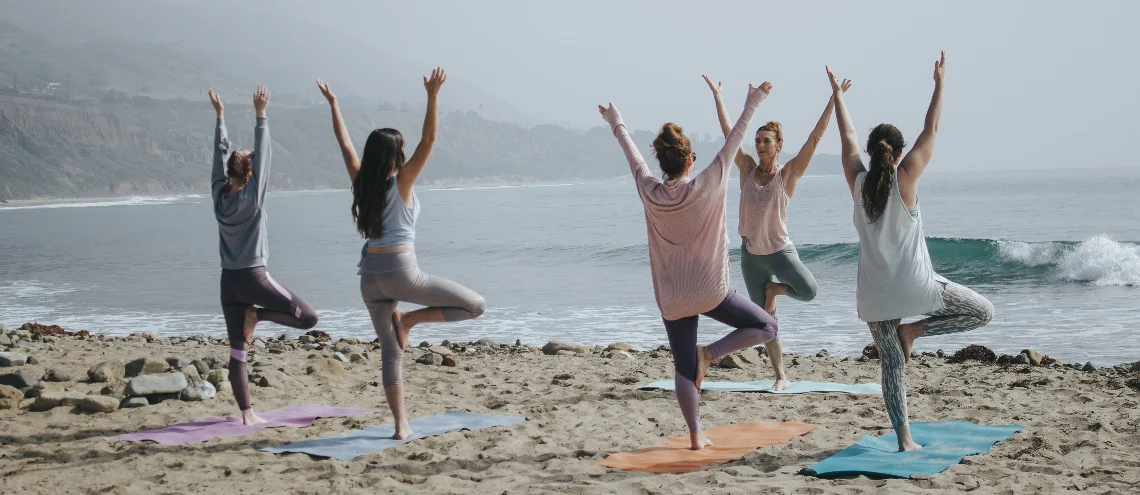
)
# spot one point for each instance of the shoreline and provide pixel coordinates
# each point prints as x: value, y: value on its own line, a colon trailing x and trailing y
x: 581, y: 404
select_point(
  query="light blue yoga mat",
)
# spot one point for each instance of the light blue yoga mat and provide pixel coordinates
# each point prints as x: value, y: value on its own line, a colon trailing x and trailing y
x: 764, y: 385
x: 944, y: 444
x: 371, y: 439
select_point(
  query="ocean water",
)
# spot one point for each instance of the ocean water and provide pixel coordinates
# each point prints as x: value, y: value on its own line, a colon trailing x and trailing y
x: 1057, y: 252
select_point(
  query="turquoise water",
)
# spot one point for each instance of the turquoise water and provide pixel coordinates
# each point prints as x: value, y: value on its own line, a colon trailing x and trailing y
x: 1055, y: 251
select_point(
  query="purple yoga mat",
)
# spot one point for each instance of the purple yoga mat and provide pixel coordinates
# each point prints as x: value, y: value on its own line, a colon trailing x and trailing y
x: 209, y: 428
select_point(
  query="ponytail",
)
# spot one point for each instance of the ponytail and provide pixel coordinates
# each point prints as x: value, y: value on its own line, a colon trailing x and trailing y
x: 885, y: 140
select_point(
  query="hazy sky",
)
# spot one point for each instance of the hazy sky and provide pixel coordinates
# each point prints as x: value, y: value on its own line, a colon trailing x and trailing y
x: 1041, y: 83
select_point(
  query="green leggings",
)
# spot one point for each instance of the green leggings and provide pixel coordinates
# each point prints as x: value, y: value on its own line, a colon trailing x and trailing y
x: 783, y: 266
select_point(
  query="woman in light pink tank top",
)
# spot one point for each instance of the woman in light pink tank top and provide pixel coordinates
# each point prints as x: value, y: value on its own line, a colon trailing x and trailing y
x: 768, y: 259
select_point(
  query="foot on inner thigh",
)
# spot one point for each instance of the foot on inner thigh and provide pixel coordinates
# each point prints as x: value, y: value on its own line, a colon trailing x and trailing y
x: 402, y: 327
x: 249, y: 323
x: 771, y: 290
x: 704, y: 359
x: 907, y: 333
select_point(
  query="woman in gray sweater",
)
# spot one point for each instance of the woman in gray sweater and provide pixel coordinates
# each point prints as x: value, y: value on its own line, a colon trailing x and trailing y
x: 249, y: 294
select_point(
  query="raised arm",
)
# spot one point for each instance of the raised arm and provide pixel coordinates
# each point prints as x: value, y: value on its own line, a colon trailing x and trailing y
x: 744, y: 162
x: 718, y: 169
x: 798, y: 165
x: 916, y: 160
x: 262, y: 154
x: 637, y: 166
x: 347, y: 152
x: 849, y: 154
x: 221, y: 146
x: 415, y: 164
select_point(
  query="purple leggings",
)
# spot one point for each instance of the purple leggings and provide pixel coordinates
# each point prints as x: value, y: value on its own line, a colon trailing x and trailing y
x: 254, y: 287
x: 753, y: 326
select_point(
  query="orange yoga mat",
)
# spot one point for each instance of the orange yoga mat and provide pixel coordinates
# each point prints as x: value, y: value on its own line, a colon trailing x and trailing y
x: 729, y: 444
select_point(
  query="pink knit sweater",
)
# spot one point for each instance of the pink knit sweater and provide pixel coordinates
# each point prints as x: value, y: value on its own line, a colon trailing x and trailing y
x: 685, y: 219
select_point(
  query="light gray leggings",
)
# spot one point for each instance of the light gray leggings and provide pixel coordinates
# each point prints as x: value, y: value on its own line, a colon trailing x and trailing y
x: 782, y: 266
x: 963, y: 310
x: 387, y: 279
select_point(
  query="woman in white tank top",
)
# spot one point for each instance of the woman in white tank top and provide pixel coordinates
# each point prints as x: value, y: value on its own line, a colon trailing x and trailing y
x: 896, y: 278
x: 768, y: 260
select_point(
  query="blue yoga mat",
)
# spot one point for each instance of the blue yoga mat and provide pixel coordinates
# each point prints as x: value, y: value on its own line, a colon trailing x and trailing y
x: 764, y: 385
x: 371, y: 439
x: 944, y: 444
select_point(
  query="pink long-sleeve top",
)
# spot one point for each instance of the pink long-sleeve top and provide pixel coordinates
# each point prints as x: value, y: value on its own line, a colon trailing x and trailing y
x: 685, y: 220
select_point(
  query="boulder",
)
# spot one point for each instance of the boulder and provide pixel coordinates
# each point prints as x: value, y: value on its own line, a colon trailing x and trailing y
x: 871, y: 352
x: 10, y: 397
x: 113, y: 390
x: 271, y: 378
x: 5, y: 341
x: 619, y: 346
x: 553, y: 347
x: 58, y: 376
x: 325, y: 366
x: 21, y: 379
x: 340, y: 357
x: 451, y: 361
x: 51, y: 400
x: 198, y: 391
x: 177, y: 362
x: 159, y: 398
x: 133, y: 402
x: 214, y: 363
x: 202, y: 367
x: 98, y: 404
x: 11, y: 359
x: 801, y: 362
x: 32, y: 361
x: 217, y: 377
x: 169, y: 383
x: 357, y: 357
x: 107, y: 371
x: 484, y: 342
x: 823, y: 353
x: 146, y: 366
x: 191, y: 374
x: 441, y: 350
x: 431, y: 359
x: 741, y: 360
x: 1032, y: 356
x: 1088, y: 367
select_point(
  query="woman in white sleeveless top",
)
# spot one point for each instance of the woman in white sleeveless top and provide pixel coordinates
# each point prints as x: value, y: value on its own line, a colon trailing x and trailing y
x: 896, y: 279
x: 768, y: 260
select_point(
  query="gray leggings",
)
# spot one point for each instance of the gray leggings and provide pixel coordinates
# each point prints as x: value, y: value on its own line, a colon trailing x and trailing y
x: 387, y: 279
x: 783, y: 266
x: 963, y: 310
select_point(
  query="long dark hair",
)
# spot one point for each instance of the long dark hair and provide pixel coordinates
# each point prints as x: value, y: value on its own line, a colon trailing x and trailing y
x: 885, y: 140
x: 672, y: 149
x: 383, y: 158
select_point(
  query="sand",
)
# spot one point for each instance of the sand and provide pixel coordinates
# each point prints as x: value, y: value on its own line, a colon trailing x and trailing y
x: 1081, y: 428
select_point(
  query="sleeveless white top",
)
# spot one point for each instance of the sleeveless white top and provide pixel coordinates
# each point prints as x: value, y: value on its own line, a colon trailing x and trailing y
x: 896, y: 279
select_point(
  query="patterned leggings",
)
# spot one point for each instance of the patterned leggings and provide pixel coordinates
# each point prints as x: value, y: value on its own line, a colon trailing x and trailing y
x: 963, y: 310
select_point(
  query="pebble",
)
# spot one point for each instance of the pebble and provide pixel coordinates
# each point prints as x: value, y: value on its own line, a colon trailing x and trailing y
x: 10, y: 397
x: 484, y: 342
x: 451, y: 361
x: 518, y: 343
x: 1021, y: 359
x: 170, y: 383
x: 340, y: 357
x: 424, y: 345
x: 555, y: 347
x: 133, y: 402
x: 823, y: 353
x: 146, y: 366
x: 199, y: 390
x: 940, y: 353
x: 871, y: 352
x: 845, y: 359
x: 98, y: 404
x: 1088, y: 367
x: 11, y: 359
x: 357, y: 357
x: 441, y: 350
x: 177, y: 362
x: 159, y: 398
x: 325, y: 366
x: 619, y: 346
x: 21, y: 379
x: 32, y: 361
x: 113, y: 390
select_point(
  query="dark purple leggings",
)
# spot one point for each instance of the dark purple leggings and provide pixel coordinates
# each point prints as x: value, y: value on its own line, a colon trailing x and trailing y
x: 254, y: 287
x: 753, y: 325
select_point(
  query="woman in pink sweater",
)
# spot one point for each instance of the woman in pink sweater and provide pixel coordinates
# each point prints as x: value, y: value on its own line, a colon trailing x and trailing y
x: 688, y: 253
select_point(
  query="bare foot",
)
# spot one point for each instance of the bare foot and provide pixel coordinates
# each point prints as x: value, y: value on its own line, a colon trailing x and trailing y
x: 781, y: 384
x: 250, y: 323
x: 771, y: 290
x: 907, y: 333
x: 704, y: 359
x: 699, y: 440
x: 403, y: 431
x: 908, y: 446
x: 249, y: 418
x: 402, y: 331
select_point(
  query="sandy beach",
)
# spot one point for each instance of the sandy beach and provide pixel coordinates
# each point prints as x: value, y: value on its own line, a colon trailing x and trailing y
x: 1081, y: 427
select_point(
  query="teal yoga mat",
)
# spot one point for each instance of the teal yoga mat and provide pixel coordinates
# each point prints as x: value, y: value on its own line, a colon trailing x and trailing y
x: 374, y: 438
x: 763, y: 385
x: 944, y: 443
